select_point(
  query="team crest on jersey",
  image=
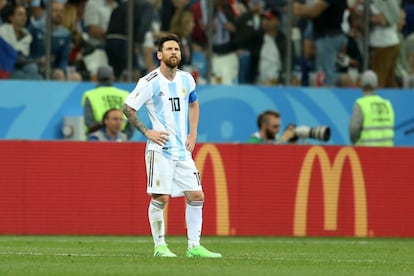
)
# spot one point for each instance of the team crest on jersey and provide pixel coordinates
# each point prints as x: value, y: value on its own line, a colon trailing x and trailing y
x: 184, y: 92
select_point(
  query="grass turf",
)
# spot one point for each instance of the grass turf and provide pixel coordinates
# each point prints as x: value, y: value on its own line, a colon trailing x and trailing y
x: 121, y: 255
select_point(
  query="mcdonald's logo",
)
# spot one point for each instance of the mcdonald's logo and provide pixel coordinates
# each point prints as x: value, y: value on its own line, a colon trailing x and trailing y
x: 331, y: 179
x: 220, y: 182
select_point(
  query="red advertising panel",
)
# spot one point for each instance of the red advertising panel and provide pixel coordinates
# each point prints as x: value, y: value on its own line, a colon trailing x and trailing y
x: 283, y: 190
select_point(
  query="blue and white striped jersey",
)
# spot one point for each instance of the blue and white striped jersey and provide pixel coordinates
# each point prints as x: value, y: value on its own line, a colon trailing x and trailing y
x: 167, y: 105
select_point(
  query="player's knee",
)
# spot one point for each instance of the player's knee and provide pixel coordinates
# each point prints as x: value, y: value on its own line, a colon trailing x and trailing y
x: 195, y: 196
x: 160, y: 198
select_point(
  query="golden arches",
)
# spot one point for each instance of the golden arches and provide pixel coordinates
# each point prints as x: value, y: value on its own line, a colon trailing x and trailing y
x: 331, y: 178
x: 220, y: 181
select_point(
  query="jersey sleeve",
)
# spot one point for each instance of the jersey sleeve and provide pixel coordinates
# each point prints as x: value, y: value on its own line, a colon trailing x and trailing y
x: 193, y: 95
x: 140, y: 95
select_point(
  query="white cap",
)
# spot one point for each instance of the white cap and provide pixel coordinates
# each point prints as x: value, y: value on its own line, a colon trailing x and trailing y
x: 369, y: 79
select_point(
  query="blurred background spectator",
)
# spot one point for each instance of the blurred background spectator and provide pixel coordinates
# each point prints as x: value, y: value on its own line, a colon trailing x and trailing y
x: 403, y: 71
x: 384, y: 42
x: 13, y: 31
x: 328, y: 36
x: 60, y: 47
x: 116, y: 37
x: 109, y: 130
x: 97, y: 35
x: 72, y: 20
x: 225, y: 65
x: 182, y: 24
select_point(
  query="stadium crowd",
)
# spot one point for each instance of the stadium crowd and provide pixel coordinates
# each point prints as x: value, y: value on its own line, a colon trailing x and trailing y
x: 248, y: 40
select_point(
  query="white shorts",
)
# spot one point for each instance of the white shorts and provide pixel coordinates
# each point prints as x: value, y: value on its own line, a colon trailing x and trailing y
x: 171, y: 177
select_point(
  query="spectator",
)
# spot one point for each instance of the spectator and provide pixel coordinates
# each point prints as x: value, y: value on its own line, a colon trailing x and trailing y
x: 268, y: 124
x: 182, y: 24
x: 252, y: 18
x: 267, y: 48
x: 13, y: 31
x: 328, y: 36
x: 404, y: 71
x: 307, y: 59
x: 168, y: 9
x: 96, y: 20
x: 267, y: 59
x: 116, y: 38
x: 61, y: 40
x: 72, y: 20
x: 247, y: 22
x: 199, y: 34
x: 104, y: 97
x: 110, y: 128
x: 409, y: 47
x: 372, y: 119
x: 350, y: 61
x: 408, y: 6
x: 225, y: 66
x: 384, y: 42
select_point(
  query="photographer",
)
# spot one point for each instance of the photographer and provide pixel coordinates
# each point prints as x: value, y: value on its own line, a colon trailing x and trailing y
x: 268, y: 123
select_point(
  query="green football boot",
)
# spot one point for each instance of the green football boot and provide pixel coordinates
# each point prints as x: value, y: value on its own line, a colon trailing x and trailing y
x: 201, y: 252
x: 163, y: 251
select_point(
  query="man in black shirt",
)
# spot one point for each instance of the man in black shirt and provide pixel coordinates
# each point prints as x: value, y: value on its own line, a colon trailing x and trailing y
x: 329, y: 39
x: 116, y: 34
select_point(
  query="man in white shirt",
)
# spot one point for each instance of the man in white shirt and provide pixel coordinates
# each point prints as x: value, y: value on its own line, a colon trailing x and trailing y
x: 384, y: 41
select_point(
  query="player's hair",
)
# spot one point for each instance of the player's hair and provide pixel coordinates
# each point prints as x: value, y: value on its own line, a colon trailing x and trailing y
x: 263, y: 117
x: 168, y: 37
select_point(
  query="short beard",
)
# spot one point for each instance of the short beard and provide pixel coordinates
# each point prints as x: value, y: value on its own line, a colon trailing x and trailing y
x: 172, y: 65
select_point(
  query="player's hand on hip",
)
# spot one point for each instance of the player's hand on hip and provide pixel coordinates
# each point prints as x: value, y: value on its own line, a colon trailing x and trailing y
x: 158, y: 137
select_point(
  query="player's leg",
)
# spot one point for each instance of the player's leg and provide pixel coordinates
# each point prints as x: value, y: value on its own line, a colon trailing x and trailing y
x: 159, y: 179
x: 187, y: 180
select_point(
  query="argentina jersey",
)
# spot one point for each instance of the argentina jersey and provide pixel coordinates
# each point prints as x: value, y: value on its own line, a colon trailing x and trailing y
x: 167, y: 104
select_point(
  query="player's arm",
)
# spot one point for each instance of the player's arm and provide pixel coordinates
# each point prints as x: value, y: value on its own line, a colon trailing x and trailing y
x: 158, y: 137
x: 133, y: 119
x: 193, y: 114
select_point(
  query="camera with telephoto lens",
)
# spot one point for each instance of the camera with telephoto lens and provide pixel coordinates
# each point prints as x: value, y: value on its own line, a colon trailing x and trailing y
x: 321, y: 133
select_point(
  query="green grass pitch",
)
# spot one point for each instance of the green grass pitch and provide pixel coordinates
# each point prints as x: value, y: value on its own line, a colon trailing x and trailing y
x: 132, y: 255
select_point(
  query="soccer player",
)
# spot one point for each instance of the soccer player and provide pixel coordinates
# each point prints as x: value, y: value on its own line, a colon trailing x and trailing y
x: 171, y: 101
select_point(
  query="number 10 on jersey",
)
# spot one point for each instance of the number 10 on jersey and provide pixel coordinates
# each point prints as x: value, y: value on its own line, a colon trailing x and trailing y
x: 175, y: 104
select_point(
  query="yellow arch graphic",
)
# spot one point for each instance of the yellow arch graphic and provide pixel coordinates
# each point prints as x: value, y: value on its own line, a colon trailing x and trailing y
x: 222, y: 201
x: 331, y: 178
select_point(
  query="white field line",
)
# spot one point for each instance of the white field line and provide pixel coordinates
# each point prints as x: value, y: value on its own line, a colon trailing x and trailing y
x: 280, y: 259
x: 65, y: 254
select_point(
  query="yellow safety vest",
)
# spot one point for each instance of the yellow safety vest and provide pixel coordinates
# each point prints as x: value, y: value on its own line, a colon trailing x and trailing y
x: 378, y: 121
x: 103, y: 98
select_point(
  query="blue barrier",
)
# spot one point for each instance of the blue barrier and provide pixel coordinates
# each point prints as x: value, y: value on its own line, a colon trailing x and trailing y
x: 35, y: 110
